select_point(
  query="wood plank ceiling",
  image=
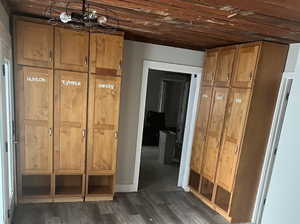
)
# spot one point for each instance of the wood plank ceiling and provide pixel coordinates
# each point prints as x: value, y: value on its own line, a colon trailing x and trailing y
x: 194, y: 24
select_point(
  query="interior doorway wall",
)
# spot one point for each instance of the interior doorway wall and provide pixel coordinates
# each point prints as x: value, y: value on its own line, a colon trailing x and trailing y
x: 272, y: 148
x: 195, y: 73
x: 177, y: 92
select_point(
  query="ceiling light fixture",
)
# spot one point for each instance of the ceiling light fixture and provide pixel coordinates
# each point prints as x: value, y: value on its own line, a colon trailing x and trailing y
x: 87, y: 17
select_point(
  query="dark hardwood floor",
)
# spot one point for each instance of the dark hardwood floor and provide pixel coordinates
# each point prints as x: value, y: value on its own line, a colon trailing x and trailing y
x: 158, y: 202
x: 144, y: 207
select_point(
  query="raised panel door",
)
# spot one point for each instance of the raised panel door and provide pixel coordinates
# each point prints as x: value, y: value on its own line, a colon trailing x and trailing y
x: 70, y: 121
x: 245, y: 67
x: 106, y: 52
x: 210, y: 66
x: 104, y: 100
x: 214, y: 133
x: 71, y: 50
x: 35, y: 115
x: 225, y: 66
x: 236, y: 117
x: 200, y: 129
x: 34, y: 44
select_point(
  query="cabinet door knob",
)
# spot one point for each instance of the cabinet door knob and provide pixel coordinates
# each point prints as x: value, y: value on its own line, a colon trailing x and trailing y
x: 250, y: 76
x: 83, y: 133
x: 50, y: 131
x: 236, y: 149
x: 50, y: 56
x: 85, y: 60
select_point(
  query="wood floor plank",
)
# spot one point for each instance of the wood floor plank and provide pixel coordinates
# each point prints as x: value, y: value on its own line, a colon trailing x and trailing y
x: 145, y: 207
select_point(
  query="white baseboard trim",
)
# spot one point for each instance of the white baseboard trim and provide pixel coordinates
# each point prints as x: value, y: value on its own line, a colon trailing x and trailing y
x: 126, y: 188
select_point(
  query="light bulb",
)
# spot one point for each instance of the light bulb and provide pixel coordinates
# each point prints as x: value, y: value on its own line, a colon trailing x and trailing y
x: 102, y: 20
x: 65, y: 18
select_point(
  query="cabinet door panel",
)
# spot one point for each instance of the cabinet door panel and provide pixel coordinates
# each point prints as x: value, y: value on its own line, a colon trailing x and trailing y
x: 225, y: 66
x: 35, y: 116
x: 214, y: 132
x: 210, y: 67
x: 200, y: 129
x: 70, y: 121
x: 106, y: 52
x: 34, y: 44
x: 71, y: 50
x: 246, y: 65
x: 236, y: 116
x: 104, y: 99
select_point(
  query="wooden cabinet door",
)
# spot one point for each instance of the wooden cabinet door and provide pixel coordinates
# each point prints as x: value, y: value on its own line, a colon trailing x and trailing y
x: 71, y: 50
x: 70, y: 121
x: 210, y: 66
x: 34, y: 96
x: 236, y: 116
x: 106, y: 52
x: 104, y: 100
x: 214, y: 133
x: 225, y: 66
x: 34, y: 44
x: 245, y: 67
x: 200, y: 129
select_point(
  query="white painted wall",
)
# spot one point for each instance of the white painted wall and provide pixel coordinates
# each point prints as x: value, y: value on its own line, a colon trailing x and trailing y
x: 282, y: 204
x: 134, y: 55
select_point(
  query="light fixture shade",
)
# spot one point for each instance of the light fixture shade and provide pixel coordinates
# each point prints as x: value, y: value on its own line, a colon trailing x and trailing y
x: 65, y: 18
x: 101, y: 20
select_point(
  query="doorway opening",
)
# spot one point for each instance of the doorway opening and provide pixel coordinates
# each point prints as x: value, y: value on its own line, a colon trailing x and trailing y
x: 167, y: 117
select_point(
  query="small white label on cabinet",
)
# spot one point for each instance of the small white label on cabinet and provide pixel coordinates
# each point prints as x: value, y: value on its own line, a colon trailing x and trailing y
x: 238, y: 100
x: 35, y: 79
x: 106, y: 86
x: 220, y: 97
x: 70, y: 83
x: 205, y: 96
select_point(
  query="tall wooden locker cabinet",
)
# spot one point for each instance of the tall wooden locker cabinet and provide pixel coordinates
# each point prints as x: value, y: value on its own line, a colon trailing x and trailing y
x: 34, y: 103
x: 103, y: 115
x: 70, y: 108
x: 236, y: 120
x: 67, y: 109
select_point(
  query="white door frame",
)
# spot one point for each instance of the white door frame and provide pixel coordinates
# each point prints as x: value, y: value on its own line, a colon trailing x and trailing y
x: 4, y: 206
x: 196, y: 73
x: 272, y: 146
x: 11, y: 135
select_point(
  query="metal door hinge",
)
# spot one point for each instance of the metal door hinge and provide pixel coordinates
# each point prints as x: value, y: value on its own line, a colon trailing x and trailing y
x: 275, y: 151
x: 264, y: 202
x: 287, y: 96
x: 13, y: 127
x: 3, y: 69
x: 6, y: 146
x: 8, y: 213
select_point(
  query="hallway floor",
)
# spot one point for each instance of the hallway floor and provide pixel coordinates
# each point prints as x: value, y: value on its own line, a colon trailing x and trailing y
x: 155, y: 176
x: 158, y: 201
